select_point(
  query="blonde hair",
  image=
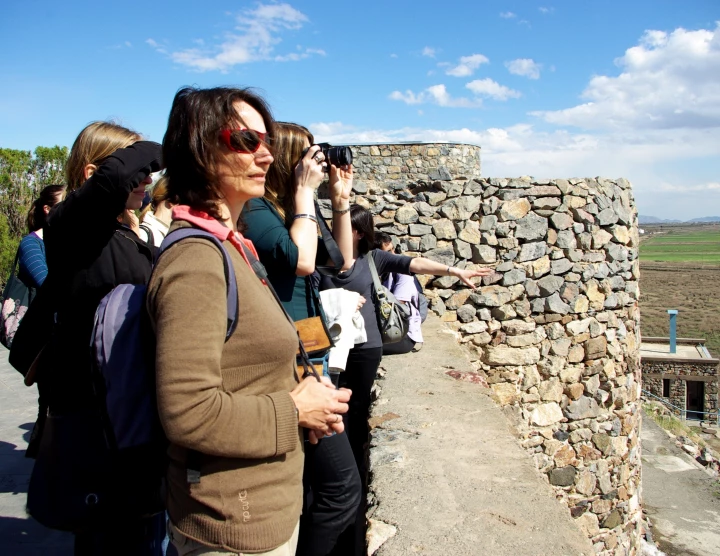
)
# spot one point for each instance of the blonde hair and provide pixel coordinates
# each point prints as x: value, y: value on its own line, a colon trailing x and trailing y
x: 94, y: 144
x: 157, y: 196
x: 288, y: 143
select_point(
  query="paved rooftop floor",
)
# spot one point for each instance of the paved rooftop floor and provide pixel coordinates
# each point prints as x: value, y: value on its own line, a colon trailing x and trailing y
x: 20, y: 535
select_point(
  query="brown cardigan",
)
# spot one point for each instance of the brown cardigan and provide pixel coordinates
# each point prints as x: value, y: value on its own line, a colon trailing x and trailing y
x: 229, y: 401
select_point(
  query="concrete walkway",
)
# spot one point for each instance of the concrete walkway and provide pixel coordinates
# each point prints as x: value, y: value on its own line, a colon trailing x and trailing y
x: 681, y: 500
x: 19, y: 534
x: 446, y: 471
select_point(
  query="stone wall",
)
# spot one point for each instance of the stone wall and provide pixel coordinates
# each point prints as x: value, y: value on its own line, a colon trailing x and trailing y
x: 393, y: 166
x: 555, y: 327
x: 679, y: 372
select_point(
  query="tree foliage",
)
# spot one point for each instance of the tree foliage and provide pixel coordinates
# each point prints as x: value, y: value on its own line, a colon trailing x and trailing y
x: 22, y: 175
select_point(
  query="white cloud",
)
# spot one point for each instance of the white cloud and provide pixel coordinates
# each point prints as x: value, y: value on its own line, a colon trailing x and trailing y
x: 545, y: 10
x: 437, y: 94
x: 467, y: 65
x: 668, y: 81
x: 525, y: 67
x: 254, y: 39
x: 636, y: 155
x: 429, y: 52
x: 489, y: 88
x: 507, y: 15
x: 393, y: 55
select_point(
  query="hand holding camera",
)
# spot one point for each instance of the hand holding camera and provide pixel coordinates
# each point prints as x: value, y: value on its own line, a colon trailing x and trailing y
x: 310, y: 171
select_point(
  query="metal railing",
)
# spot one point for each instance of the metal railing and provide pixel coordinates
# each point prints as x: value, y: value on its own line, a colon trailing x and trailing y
x: 683, y: 413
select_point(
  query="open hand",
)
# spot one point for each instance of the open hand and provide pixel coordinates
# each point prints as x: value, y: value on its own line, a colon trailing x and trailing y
x: 341, y: 182
x: 466, y: 274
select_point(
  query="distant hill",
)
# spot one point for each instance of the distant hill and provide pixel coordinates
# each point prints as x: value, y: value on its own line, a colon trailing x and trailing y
x: 706, y: 219
x: 642, y: 219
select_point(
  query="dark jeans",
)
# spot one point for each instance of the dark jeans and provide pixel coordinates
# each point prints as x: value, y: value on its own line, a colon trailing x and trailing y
x: 359, y: 376
x: 332, y: 493
x: 139, y: 537
x: 406, y: 345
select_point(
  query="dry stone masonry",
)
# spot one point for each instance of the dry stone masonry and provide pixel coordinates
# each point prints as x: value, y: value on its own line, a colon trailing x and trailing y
x: 555, y: 327
x: 393, y: 166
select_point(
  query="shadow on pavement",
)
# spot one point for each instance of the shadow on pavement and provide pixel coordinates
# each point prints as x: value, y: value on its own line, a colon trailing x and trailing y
x: 26, y: 537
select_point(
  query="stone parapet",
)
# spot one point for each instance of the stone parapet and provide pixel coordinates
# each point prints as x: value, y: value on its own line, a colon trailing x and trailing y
x: 394, y: 166
x: 555, y: 327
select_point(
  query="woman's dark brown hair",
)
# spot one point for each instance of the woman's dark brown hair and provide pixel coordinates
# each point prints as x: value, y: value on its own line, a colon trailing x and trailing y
x: 361, y: 220
x: 192, y: 145
x: 49, y: 197
x: 288, y: 148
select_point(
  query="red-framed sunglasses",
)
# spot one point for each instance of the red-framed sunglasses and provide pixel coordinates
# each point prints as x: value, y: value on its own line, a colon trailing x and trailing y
x: 245, y: 141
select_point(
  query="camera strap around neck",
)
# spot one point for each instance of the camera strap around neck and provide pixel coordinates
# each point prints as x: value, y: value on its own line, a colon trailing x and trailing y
x: 330, y: 244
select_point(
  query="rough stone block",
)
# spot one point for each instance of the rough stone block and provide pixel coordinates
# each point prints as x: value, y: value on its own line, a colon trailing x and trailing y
x: 483, y: 254
x: 514, y: 209
x: 563, y: 477
x: 444, y: 229
x: 504, y: 355
x: 546, y: 414
x: 531, y: 227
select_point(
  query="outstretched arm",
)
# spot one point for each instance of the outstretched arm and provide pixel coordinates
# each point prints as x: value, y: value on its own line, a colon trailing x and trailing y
x: 419, y: 265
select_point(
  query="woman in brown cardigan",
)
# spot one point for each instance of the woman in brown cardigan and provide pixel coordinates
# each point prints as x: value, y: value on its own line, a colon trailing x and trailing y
x: 238, y: 403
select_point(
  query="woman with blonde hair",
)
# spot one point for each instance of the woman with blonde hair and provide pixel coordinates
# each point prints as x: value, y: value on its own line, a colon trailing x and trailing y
x: 155, y: 218
x: 89, y: 252
x: 283, y: 226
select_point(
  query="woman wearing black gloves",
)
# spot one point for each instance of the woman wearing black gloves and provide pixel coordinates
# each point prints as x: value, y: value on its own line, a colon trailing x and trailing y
x: 89, y: 253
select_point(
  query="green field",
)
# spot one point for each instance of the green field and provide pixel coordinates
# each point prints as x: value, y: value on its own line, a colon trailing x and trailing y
x: 681, y: 245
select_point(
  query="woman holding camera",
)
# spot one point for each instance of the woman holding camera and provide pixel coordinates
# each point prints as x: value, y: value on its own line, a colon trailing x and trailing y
x: 283, y: 227
x: 237, y: 404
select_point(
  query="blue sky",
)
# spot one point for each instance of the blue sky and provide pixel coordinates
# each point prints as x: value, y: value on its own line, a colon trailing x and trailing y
x: 549, y: 89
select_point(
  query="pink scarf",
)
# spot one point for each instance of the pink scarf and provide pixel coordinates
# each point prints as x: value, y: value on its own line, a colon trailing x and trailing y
x: 204, y: 221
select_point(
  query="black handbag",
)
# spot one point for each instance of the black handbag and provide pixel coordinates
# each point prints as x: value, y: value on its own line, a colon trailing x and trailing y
x: 16, y: 298
x: 79, y: 482
x: 393, y: 316
x: 35, y: 330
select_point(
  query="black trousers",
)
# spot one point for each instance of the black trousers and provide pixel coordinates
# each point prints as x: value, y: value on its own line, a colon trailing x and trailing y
x: 332, y: 494
x: 141, y: 537
x: 359, y: 376
x: 406, y: 345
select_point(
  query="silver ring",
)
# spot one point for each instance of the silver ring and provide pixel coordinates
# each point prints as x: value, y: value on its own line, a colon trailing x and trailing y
x: 318, y: 159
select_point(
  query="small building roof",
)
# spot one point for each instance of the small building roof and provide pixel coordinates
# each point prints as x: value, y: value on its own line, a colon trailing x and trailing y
x: 687, y: 349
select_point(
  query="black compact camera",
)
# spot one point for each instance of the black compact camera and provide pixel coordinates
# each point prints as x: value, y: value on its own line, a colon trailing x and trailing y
x: 337, y: 156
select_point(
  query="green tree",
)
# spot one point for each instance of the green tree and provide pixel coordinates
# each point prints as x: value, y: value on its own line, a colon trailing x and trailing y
x: 22, y: 176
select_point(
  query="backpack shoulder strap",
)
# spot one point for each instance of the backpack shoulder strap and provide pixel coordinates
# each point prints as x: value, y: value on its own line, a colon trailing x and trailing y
x: 149, y: 232
x: 233, y: 301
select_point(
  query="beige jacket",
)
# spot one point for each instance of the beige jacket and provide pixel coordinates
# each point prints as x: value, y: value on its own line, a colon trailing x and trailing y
x: 229, y: 401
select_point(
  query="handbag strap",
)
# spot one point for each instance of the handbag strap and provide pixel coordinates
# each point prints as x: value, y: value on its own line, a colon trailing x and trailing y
x: 13, y: 274
x: 261, y: 273
x: 379, y: 291
x: 330, y: 244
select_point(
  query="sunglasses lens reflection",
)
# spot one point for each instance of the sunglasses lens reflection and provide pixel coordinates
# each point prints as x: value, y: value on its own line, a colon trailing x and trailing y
x: 245, y: 140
